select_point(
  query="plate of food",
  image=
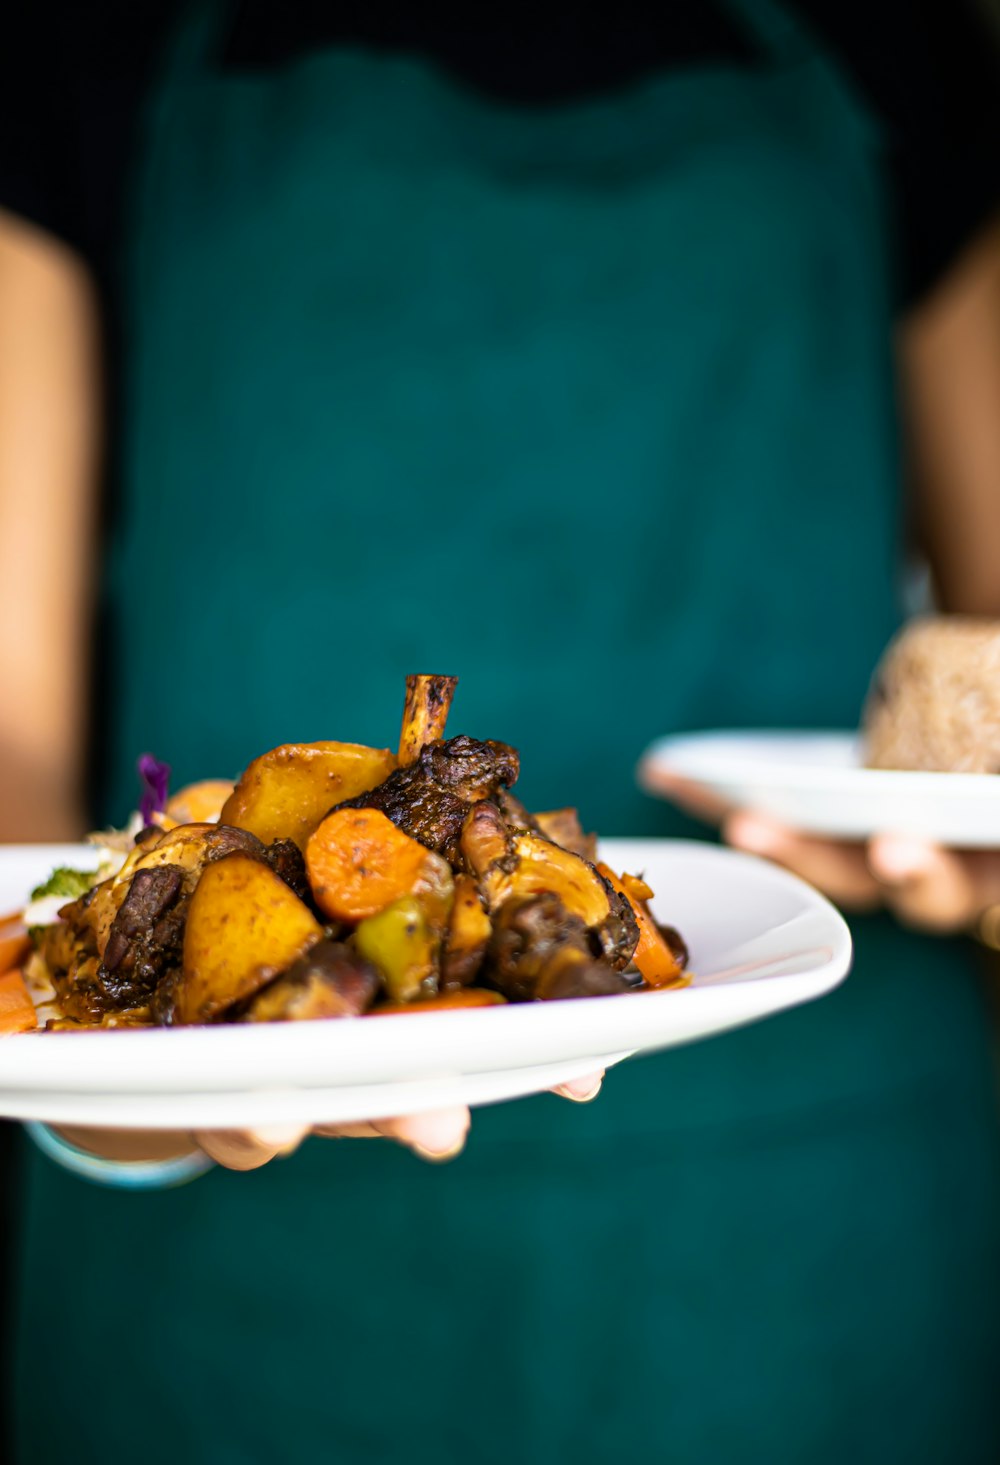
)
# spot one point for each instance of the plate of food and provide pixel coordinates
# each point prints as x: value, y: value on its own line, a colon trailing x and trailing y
x: 925, y: 761
x: 352, y: 932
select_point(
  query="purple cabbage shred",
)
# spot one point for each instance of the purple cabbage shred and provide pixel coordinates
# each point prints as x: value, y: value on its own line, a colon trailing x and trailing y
x: 155, y: 777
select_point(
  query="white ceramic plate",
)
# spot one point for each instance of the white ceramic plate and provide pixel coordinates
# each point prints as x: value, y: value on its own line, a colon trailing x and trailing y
x: 815, y: 782
x: 761, y: 940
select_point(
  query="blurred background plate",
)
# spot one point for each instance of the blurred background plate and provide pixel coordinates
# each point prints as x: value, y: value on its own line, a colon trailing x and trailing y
x: 761, y: 940
x: 815, y: 782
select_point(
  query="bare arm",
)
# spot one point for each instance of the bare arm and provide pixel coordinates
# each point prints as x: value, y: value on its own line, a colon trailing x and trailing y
x: 949, y: 368
x: 49, y: 433
x: 950, y: 375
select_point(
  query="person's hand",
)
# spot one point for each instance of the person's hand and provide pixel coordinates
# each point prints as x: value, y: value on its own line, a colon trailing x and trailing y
x: 924, y: 885
x: 438, y: 1135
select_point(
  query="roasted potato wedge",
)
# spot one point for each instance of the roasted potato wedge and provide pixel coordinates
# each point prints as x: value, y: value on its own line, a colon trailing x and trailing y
x: 244, y: 928
x: 285, y: 793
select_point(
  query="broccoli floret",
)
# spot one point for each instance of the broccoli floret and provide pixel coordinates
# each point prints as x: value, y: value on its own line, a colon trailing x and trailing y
x: 65, y: 882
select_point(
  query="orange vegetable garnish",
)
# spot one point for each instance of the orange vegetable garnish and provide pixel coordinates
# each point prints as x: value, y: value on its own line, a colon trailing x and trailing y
x: 15, y: 943
x: 636, y: 889
x: 198, y: 803
x: 653, y: 957
x: 17, y: 1011
x: 463, y: 997
x: 358, y: 863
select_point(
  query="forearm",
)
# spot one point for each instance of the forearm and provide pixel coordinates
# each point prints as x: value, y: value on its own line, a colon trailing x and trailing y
x: 49, y: 434
x: 950, y: 379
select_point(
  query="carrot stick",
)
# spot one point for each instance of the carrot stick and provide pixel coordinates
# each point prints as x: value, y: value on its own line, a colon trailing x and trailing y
x: 15, y: 943
x: 652, y: 956
x: 17, y: 1011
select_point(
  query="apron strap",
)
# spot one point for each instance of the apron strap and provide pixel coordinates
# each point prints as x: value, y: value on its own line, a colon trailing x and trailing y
x: 197, y: 37
x: 786, y: 39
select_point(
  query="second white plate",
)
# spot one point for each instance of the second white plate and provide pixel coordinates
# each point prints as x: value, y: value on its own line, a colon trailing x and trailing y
x: 815, y: 782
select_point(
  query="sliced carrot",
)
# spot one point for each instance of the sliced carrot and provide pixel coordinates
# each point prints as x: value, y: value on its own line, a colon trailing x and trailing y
x: 15, y: 943
x: 653, y: 956
x: 463, y: 997
x: 358, y: 863
x: 199, y: 803
x: 636, y: 889
x: 17, y: 1011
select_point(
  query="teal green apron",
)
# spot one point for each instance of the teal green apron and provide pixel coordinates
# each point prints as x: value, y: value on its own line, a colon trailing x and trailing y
x: 592, y: 405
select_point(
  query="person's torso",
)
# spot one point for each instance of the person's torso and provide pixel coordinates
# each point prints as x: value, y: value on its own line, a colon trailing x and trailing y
x: 591, y: 405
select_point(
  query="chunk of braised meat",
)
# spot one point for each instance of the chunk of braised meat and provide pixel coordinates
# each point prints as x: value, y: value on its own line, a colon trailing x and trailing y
x: 287, y: 860
x: 430, y: 799
x: 529, y: 932
x: 330, y: 980
x: 163, y: 1002
x: 144, y: 937
x: 617, y: 936
x: 541, y: 951
x: 576, y: 978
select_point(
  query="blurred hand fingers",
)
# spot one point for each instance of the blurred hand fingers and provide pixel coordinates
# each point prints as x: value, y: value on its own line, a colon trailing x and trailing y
x: 437, y: 1135
x: 840, y: 870
x: 932, y: 888
x: 248, y: 1149
x: 581, y: 1090
x: 691, y: 797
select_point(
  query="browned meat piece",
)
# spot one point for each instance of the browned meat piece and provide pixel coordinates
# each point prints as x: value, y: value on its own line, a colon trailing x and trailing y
x: 541, y: 951
x: 617, y: 936
x: 563, y: 827
x: 430, y: 800
x: 528, y: 933
x: 163, y: 1003
x: 287, y: 860
x: 135, y: 957
x: 331, y: 980
x: 573, y: 977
